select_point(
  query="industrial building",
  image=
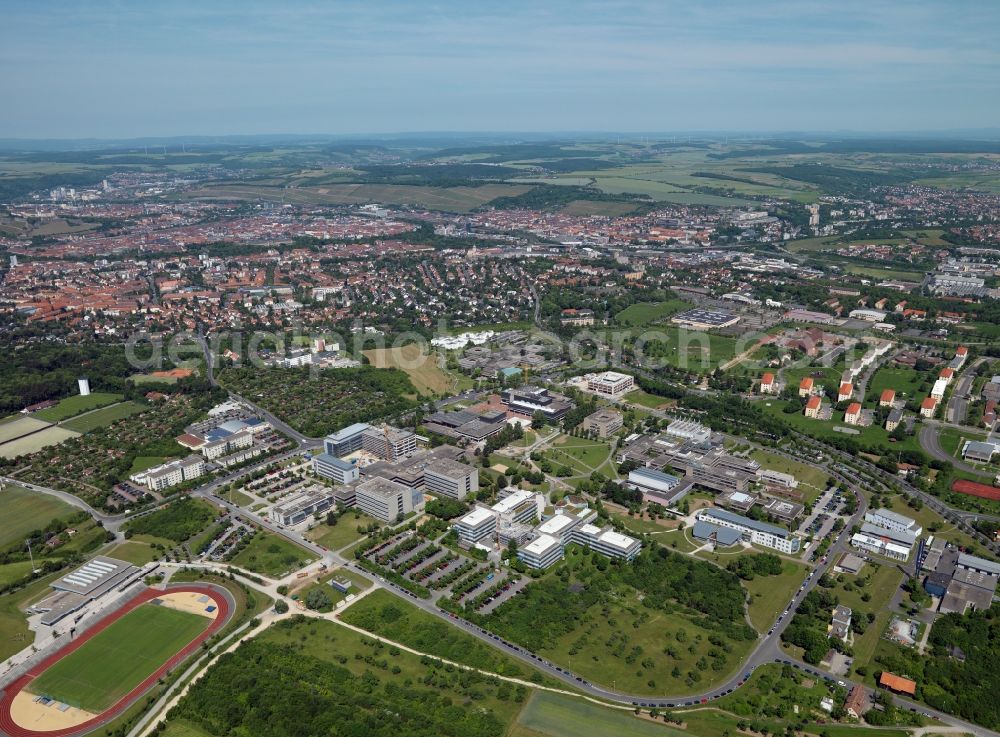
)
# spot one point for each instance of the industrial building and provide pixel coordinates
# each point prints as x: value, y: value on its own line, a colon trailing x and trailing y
x: 702, y: 319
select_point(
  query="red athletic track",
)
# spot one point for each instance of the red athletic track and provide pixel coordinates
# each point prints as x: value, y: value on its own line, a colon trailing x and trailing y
x: 12, y: 729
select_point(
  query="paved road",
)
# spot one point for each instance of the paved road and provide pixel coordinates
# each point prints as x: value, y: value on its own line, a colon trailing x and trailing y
x: 958, y: 405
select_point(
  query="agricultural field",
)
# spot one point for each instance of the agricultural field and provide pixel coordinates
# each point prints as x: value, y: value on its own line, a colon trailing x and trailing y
x: 103, y: 417
x: 587, y: 208
x: 117, y: 659
x: 271, y: 555
x: 36, y: 441
x: 448, y: 199
x: 427, y: 376
x: 644, y: 313
x: 73, y: 406
x: 23, y: 512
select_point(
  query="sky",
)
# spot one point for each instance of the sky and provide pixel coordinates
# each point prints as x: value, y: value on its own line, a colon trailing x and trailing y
x: 116, y: 69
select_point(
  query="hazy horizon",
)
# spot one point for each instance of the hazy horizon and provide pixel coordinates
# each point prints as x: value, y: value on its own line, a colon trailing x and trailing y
x: 176, y: 69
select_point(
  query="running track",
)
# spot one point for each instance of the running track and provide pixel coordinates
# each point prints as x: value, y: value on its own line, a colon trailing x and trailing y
x: 11, y: 729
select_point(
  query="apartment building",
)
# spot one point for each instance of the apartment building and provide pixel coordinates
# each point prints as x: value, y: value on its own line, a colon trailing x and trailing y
x: 450, y: 478
x: 386, y: 500
x: 813, y: 406
x: 758, y: 533
x: 853, y: 414
x: 333, y: 468
x: 224, y: 446
x: 928, y: 406
x: 171, y: 474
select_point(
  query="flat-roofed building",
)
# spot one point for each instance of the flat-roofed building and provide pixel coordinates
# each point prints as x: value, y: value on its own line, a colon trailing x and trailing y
x: 606, y: 541
x: 518, y: 505
x: 689, y: 430
x: 782, y: 510
x: 541, y: 552
x: 527, y: 400
x: 610, y: 383
x: 778, y: 478
x: 893, y: 521
x: 171, y: 474
x: 939, y: 388
x: 345, y: 441
x: 758, y: 533
x: 978, y: 451
x: 333, y: 468
x: 737, y: 500
x: 388, y: 443
x: 478, y: 525
x: 386, y: 500
x: 894, y: 544
x: 603, y: 422
x: 300, y: 507
x: 560, y: 526
x: 704, y: 319
x: 656, y: 486
x: 450, y: 478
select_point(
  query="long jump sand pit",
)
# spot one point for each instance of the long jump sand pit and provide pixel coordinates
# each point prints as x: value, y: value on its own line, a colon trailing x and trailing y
x: 95, y: 677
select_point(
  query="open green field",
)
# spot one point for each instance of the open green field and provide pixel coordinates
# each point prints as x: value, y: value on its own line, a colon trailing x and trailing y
x: 557, y: 715
x: 73, y: 406
x: 14, y: 632
x: 906, y: 382
x: 812, y: 479
x: 643, y: 313
x: 117, y: 659
x: 587, y: 208
x: 137, y: 552
x: 425, y: 373
x: 342, y: 534
x: 880, y: 584
x: 884, y: 272
x: 384, y: 614
x: 770, y: 594
x: 23, y: 511
x: 688, y: 350
x: 34, y: 442
x: 138, y: 379
x: 103, y: 417
x: 271, y: 555
x: 646, y: 400
x: 13, y: 572
x: 582, y: 456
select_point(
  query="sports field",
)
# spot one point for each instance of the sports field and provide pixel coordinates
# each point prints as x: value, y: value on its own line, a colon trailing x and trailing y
x: 17, y: 426
x: 116, y: 660
x: 23, y: 511
x: 103, y: 417
x: 73, y: 406
x: 52, y: 435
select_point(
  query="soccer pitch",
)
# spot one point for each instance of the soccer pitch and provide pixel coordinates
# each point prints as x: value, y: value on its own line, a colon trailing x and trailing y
x: 116, y: 660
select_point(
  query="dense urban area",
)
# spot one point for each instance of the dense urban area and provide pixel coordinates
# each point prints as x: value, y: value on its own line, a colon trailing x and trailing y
x: 537, y: 438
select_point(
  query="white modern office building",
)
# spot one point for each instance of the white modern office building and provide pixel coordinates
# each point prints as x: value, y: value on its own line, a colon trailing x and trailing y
x: 541, y: 552
x: 333, y: 468
x: 606, y: 541
x: 300, y: 507
x: 890, y: 520
x: 894, y: 544
x: 519, y: 506
x: 478, y: 525
x: 753, y: 531
x: 610, y: 383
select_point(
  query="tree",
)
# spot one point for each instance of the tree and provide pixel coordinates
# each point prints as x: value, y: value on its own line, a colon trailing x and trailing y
x: 281, y: 606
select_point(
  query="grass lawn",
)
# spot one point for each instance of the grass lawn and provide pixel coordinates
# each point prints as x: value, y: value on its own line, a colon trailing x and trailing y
x: 12, y: 572
x: 770, y: 594
x: 73, y: 406
x: 425, y: 373
x: 103, y: 417
x: 564, y: 716
x: 812, y: 479
x: 906, y: 383
x: 645, y: 400
x: 584, y: 456
x: 141, y: 463
x: 344, y: 533
x: 135, y: 552
x: 114, y: 661
x: 17, y: 426
x: 690, y: 350
x: 643, y: 313
x: 271, y: 555
x: 33, y: 443
x: 23, y: 512
x: 881, y: 585
x: 14, y: 633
